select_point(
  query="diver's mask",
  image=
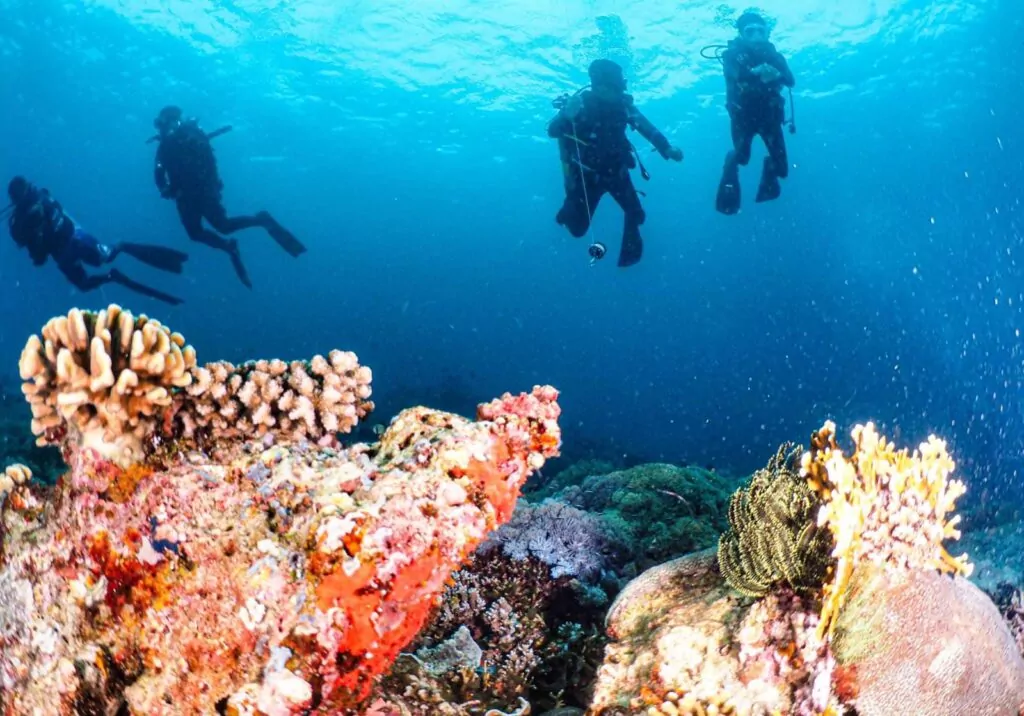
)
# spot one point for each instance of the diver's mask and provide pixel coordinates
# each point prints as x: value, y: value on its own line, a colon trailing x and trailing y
x: 754, y: 32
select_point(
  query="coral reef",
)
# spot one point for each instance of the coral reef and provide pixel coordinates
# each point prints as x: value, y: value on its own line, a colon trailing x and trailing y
x: 271, y: 579
x: 917, y: 642
x: 773, y: 536
x: 681, y: 645
x: 1009, y: 600
x: 658, y: 511
x: 882, y: 505
x: 534, y: 638
x: 572, y: 475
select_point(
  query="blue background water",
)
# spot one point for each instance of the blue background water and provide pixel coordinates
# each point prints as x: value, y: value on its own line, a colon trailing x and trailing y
x: 407, y: 148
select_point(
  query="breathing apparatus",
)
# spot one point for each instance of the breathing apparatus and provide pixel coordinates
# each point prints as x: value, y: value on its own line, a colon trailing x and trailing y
x: 716, y: 53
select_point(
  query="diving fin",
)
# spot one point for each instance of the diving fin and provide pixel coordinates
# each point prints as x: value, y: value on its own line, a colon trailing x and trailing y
x: 728, y: 199
x: 159, y: 257
x: 236, y: 260
x: 632, y: 248
x: 284, y: 238
x: 141, y: 288
x: 769, y: 188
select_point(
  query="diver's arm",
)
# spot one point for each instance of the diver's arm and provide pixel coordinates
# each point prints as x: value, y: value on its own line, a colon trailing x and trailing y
x: 80, y: 279
x: 559, y: 126
x: 732, y: 70
x: 217, y: 132
x: 786, y: 75
x: 163, y: 183
x: 649, y: 132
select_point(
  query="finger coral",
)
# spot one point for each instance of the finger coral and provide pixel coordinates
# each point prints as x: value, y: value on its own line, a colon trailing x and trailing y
x: 295, y: 401
x: 882, y: 505
x: 773, y: 537
x: 102, y: 379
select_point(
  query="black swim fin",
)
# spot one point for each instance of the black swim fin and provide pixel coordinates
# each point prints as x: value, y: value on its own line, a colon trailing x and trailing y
x: 141, y: 288
x: 769, y: 188
x: 632, y: 247
x: 284, y: 238
x: 728, y: 199
x: 159, y: 257
x: 236, y: 260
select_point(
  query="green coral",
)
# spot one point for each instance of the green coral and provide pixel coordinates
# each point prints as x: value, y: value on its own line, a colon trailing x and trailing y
x: 658, y: 511
x: 773, y: 534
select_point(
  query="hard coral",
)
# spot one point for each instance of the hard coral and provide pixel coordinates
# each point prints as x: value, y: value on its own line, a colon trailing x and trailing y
x: 295, y: 401
x: 773, y: 536
x: 104, y: 378
x: 882, y: 506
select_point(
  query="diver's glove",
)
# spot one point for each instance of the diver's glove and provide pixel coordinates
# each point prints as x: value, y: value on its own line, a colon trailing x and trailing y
x: 767, y: 73
x: 674, y: 153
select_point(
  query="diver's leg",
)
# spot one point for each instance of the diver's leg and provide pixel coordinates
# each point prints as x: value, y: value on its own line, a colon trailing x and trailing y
x: 581, y: 198
x: 742, y: 137
x: 217, y: 216
x: 191, y: 213
x: 161, y: 257
x: 213, y: 211
x: 776, y: 164
x: 624, y: 193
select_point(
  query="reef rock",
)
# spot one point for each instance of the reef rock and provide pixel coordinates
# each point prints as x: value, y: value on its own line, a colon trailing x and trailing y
x: 925, y: 644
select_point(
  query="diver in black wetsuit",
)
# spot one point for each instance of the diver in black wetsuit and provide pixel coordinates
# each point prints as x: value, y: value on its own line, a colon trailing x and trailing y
x: 597, y: 156
x: 755, y: 73
x: 186, y: 171
x: 39, y: 224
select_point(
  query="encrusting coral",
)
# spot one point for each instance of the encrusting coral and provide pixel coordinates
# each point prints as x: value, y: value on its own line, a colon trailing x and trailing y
x: 773, y: 537
x: 882, y: 505
x: 273, y: 579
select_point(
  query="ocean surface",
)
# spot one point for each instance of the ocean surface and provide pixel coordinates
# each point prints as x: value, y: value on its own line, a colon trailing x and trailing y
x: 405, y: 144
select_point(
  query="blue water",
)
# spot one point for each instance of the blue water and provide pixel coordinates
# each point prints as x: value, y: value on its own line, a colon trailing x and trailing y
x: 407, y: 148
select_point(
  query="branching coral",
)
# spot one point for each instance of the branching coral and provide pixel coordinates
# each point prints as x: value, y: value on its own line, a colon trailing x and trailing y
x: 104, y: 378
x: 300, y: 400
x: 882, y: 505
x: 773, y: 536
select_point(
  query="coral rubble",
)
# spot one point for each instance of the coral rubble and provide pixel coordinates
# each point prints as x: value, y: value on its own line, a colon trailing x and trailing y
x: 274, y: 578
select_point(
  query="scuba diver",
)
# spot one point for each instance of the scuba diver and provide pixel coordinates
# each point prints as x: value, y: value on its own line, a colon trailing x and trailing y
x: 186, y: 171
x: 38, y: 223
x: 755, y: 73
x: 596, y: 156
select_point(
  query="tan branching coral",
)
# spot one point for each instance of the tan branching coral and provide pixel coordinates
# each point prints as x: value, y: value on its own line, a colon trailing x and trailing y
x: 773, y: 536
x: 882, y: 505
x: 300, y: 400
x: 104, y: 378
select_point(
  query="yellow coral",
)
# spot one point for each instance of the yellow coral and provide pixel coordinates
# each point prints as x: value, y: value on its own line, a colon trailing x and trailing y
x: 882, y: 505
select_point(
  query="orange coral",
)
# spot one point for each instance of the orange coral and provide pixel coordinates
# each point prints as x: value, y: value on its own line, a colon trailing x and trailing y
x: 124, y: 482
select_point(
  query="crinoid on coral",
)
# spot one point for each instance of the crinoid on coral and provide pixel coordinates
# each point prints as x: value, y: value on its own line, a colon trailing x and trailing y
x: 102, y: 379
x: 882, y: 505
x: 773, y: 536
x: 249, y: 578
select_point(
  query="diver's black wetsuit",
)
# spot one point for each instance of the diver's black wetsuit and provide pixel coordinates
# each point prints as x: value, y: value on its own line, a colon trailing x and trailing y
x: 186, y: 171
x: 756, y: 107
x: 39, y: 224
x: 606, y: 156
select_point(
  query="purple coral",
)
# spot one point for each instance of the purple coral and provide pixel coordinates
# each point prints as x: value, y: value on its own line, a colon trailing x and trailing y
x: 568, y: 540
